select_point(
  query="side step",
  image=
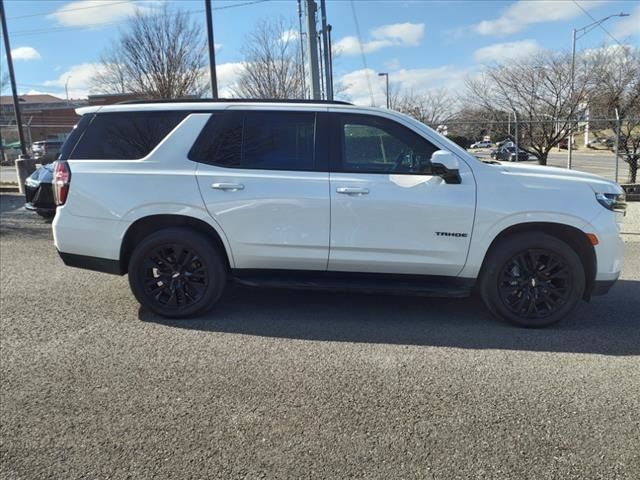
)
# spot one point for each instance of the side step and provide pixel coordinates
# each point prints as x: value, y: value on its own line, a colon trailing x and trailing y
x: 423, y: 285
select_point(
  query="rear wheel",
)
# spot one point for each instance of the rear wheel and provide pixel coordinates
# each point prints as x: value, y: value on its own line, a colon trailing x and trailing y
x: 177, y: 273
x: 532, y: 279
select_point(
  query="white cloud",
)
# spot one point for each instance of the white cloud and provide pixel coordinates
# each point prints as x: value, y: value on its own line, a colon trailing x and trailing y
x: 289, y: 36
x: 397, y: 34
x: 400, y: 33
x: 501, y: 52
x: 82, y: 13
x: 228, y: 74
x: 25, y: 53
x: 355, y: 85
x: 521, y: 14
x: 78, y: 78
x: 628, y: 26
x: 392, y: 64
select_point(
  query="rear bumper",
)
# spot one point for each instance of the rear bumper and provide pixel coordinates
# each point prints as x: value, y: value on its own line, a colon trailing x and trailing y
x: 104, y: 265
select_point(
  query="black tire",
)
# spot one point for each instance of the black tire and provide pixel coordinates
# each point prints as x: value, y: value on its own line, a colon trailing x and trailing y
x: 46, y: 214
x: 532, y: 279
x: 177, y: 272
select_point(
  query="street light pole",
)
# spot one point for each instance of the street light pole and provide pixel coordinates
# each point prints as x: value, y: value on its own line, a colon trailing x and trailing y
x: 386, y: 75
x: 574, y: 36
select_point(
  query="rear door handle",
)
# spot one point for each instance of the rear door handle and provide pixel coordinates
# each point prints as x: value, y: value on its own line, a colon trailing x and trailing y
x: 352, y: 190
x: 228, y: 186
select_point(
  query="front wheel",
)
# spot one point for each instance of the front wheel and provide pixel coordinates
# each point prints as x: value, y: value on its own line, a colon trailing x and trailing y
x: 177, y: 273
x: 532, y: 279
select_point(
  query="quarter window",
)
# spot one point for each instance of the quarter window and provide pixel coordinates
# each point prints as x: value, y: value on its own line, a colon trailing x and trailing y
x: 125, y: 135
x: 377, y: 145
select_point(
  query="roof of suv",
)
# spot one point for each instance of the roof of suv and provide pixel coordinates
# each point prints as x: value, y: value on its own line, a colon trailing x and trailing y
x: 207, y: 104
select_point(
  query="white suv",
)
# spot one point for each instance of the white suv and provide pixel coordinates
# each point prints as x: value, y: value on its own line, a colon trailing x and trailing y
x: 185, y: 197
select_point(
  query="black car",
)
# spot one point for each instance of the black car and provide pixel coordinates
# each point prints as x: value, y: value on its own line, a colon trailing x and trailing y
x: 39, y: 192
x: 509, y: 154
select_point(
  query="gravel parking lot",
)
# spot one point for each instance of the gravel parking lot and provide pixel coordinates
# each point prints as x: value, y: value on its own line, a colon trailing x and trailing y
x: 280, y: 384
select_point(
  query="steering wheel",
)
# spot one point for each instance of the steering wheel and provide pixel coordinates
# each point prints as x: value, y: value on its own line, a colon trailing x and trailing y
x: 399, y: 160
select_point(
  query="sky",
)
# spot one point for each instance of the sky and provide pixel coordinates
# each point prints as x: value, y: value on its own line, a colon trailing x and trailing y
x: 422, y: 44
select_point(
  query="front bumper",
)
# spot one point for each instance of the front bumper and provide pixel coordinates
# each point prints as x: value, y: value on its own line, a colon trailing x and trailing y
x: 602, y: 287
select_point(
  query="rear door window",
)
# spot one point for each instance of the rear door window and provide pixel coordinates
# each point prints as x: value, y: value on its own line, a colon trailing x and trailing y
x: 125, y: 135
x: 258, y: 140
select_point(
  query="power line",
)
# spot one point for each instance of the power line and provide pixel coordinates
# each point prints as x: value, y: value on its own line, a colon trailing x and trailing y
x: 65, y: 10
x: 362, y: 54
x: 39, y: 31
x: 599, y: 25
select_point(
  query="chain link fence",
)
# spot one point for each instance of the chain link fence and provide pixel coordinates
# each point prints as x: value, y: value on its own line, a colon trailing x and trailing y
x: 604, y: 146
x: 33, y: 132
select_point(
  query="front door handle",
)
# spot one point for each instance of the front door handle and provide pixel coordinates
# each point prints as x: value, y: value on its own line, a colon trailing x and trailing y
x: 352, y: 190
x: 228, y: 186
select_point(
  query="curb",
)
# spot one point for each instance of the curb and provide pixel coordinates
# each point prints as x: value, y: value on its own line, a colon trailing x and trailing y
x: 9, y: 189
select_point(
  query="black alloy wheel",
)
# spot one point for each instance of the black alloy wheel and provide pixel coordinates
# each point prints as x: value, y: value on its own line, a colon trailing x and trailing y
x: 177, y: 272
x: 175, y: 276
x: 535, y: 283
x: 531, y: 279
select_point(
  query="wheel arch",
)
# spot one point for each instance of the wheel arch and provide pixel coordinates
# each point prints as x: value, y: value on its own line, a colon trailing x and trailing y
x: 147, y: 225
x: 574, y: 237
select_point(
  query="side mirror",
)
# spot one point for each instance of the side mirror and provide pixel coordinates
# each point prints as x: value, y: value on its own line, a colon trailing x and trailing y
x: 445, y: 164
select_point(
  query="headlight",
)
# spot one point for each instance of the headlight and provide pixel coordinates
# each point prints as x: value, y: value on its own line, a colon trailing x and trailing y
x: 612, y: 201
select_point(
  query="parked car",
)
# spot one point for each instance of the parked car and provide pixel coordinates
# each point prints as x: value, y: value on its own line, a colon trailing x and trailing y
x: 508, y: 154
x: 481, y: 144
x: 187, y: 196
x: 46, y: 151
x: 609, y: 142
x: 39, y: 192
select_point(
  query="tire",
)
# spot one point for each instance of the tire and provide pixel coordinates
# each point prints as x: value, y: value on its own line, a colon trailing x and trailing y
x: 46, y: 214
x: 177, y: 285
x: 513, y: 290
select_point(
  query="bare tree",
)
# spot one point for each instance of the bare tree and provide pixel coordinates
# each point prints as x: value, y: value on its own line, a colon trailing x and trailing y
x: 538, y: 89
x: 433, y: 107
x: 111, y: 77
x: 615, y: 72
x: 160, y: 54
x: 272, y: 65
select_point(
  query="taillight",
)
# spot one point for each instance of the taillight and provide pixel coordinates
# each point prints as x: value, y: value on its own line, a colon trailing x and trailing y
x: 61, y: 181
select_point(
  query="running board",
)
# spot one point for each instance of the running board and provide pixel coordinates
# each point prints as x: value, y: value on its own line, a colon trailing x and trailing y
x: 422, y: 285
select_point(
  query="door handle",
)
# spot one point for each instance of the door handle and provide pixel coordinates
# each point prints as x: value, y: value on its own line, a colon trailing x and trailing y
x: 228, y: 186
x: 353, y: 190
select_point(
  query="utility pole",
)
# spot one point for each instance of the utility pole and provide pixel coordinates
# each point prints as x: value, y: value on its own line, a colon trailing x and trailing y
x: 328, y: 81
x: 212, y: 51
x: 12, y: 78
x: 312, y: 50
x: 302, y: 72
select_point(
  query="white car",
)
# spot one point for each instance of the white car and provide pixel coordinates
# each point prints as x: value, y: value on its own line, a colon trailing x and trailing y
x: 186, y: 196
x: 482, y: 144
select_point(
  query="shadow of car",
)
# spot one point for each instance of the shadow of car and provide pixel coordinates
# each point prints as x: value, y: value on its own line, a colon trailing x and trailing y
x: 609, y: 325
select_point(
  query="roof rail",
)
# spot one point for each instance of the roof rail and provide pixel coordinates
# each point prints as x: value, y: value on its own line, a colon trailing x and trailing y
x: 233, y: 100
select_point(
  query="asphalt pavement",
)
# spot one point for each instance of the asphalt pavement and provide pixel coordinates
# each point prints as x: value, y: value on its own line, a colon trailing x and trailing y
x: 281, y: 384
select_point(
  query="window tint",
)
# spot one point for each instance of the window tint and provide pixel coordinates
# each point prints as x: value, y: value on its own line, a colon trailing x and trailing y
x: 377, y: 145
x: 258, y: 140
x: 125, y: 135
x: 74, y: 136
x: 220, y: 142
